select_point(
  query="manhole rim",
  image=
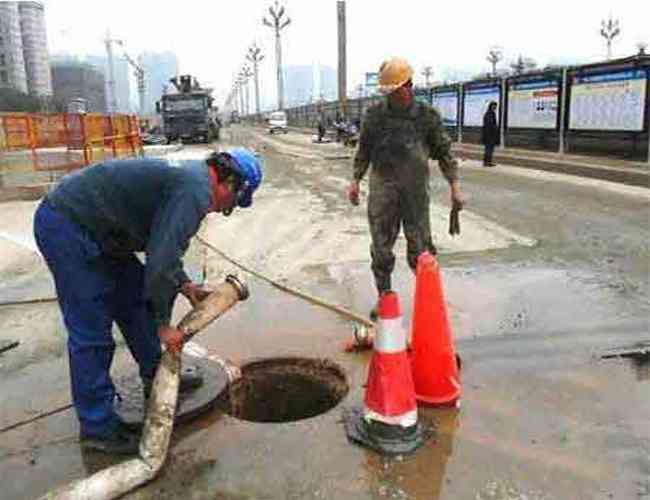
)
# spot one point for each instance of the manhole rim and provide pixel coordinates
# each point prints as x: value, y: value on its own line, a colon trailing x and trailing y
x: 326, y: 363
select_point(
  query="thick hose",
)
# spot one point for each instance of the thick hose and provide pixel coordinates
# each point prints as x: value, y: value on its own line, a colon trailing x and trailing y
x: 118, y: 480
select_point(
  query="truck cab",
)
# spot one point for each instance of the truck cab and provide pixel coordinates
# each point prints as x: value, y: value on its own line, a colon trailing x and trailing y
x: 186, y: 114
x: 278, y: 122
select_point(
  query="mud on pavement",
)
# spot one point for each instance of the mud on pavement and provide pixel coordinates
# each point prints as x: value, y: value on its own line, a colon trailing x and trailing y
x: 547, y: 275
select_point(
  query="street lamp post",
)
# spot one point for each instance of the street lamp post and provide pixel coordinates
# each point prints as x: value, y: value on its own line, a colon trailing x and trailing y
x: 246, y: 74
x: 255, y: 57
x: 427, y: 73
x: 494, y: 56
x: 240, y: 87
x: 609, y: 30
x: 278, y: 23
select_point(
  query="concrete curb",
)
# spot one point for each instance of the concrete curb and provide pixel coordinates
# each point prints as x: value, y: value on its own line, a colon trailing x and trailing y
x: 632, y: 175
x: 629, y: 173
x: 162, y: 150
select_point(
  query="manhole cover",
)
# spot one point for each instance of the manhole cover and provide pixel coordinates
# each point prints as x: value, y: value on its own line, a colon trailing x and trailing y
x: 286, y: 390
x: 191, y: 404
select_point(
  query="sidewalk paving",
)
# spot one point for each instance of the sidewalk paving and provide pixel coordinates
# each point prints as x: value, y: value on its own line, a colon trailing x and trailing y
x: 635, y: 173
x: 614, y: 170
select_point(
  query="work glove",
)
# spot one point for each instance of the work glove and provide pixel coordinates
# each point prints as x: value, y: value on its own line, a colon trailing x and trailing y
x: 353, y: 193
x: 457, y: 203
x: 454, y: 220
x: 172, y: 338
x: 194, y: 293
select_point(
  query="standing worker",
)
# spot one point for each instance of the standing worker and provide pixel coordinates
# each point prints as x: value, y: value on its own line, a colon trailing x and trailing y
x: 88, y: 229
x: 490, y: 135
x: 398, y: 136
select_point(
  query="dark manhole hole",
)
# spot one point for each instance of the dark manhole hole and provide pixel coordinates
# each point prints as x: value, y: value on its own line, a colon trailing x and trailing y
x: 285, y: 390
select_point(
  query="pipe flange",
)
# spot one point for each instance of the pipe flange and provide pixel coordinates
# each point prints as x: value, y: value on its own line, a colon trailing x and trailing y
x: 242, y: 289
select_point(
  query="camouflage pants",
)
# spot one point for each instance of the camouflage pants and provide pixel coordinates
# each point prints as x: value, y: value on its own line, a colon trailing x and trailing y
x: 389, y: 209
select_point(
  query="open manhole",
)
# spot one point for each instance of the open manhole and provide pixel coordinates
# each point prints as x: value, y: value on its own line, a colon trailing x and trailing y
x: 285, y: 390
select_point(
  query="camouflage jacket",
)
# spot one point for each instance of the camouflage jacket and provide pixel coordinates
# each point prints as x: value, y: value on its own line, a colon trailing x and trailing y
x: 399, y: 142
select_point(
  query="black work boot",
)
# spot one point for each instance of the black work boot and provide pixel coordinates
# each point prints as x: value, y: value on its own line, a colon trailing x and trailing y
x: 374, y: 312
x: 120, y: 441
x: 191, y: 378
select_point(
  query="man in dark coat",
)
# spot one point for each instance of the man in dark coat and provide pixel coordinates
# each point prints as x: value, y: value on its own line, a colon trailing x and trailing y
x: 322, y: 127
x: 490, y: 135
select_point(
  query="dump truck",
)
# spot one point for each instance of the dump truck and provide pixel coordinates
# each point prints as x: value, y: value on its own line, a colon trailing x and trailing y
x: 186, y: 111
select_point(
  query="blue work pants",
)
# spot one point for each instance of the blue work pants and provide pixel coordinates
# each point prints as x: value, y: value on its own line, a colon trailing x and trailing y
x: 94, y: 291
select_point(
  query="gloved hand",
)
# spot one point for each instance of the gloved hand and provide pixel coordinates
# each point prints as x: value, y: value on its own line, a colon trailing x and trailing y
x: 353, y: 193
x: 172, y: 338
x: 457, y: 198
x: 457, y: 203
x: 194, y: 293
x: 454, y: 221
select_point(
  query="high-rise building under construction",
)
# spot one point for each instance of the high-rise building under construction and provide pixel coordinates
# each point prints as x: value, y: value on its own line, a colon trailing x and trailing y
x: 24, y: 57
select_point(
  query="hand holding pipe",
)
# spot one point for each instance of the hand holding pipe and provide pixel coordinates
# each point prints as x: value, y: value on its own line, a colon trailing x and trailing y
x: 118, y: 480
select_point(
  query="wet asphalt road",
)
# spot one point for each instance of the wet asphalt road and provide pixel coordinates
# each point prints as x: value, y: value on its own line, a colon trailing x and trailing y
x: 542, y: 416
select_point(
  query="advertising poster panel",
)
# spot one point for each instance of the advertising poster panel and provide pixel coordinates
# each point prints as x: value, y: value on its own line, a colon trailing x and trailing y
x: 447, y: 105
x: 423, y: 95
x: 372, y: 83
x: 533, y: 105
x: 612, y: 101
x: 476, y: 103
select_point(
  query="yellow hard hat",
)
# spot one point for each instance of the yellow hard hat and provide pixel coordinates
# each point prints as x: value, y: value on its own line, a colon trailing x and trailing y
x: 394, y: 73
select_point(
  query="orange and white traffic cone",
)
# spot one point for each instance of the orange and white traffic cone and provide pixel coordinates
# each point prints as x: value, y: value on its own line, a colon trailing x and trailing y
x: 433, y: 357
x: 388, y: 422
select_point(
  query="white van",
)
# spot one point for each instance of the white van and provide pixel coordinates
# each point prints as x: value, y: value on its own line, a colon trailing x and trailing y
x: 278, y: 122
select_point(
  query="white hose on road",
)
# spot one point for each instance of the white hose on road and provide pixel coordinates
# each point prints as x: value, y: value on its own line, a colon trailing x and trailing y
x: 119, y: 479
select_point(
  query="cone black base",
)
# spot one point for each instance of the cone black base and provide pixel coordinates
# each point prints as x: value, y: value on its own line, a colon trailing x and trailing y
x: 382, y: 438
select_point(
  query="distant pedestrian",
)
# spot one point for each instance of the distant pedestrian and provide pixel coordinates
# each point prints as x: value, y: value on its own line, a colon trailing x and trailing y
x: 490, y: 136
x: 321, y: 127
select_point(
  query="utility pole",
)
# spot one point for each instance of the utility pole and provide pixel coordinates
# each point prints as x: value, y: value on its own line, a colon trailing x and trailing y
x: 246, y: 74
x: 427, y: 73
x: 255, y: 57
x: 278, y: 24
x: 609, y: 30
x: 343, y: 69
x: 495, y: 54
x: 111, y: 97
x: 240, y: 85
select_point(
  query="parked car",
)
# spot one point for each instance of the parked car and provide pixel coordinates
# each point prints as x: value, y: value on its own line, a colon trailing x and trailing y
x: 278, y: 122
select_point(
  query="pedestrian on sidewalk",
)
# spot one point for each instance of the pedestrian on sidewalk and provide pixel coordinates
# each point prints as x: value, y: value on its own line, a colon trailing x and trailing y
x: 398, y: 137
x: 321, y: 127
x: 88, y: 229
x: 490, y: 134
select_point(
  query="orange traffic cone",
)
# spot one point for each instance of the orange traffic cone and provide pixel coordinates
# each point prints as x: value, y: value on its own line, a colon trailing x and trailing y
x: 433, y: 358
x: 388, y: 422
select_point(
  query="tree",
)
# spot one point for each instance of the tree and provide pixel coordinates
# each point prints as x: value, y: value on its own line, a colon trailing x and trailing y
x: 523, y: 64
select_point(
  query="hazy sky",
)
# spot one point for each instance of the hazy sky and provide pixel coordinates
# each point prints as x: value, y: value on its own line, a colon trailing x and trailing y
x: 210, y: 37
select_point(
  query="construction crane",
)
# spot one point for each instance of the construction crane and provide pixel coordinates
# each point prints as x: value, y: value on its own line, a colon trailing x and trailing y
x: 139, y: 76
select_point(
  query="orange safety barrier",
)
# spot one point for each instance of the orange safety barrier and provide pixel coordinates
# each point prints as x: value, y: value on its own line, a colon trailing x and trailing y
x: 34, y: 145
